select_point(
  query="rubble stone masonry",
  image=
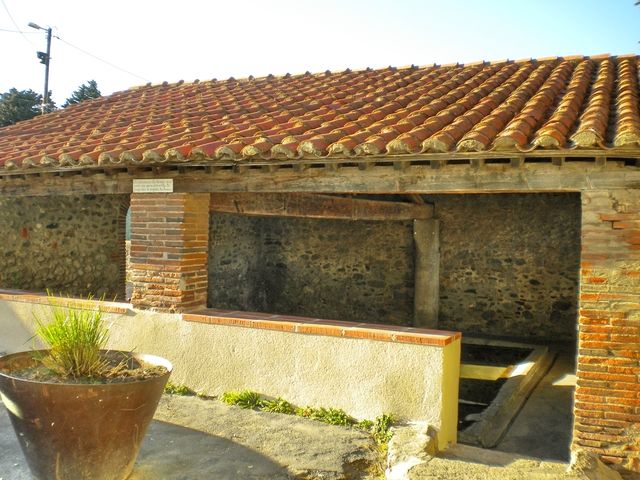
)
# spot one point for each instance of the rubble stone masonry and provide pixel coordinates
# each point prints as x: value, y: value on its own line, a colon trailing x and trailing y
x: 607, y: 400
x: 69, y: 244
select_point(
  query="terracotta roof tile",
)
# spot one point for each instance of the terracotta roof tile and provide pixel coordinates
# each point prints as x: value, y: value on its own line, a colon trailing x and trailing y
x: 555, y: 103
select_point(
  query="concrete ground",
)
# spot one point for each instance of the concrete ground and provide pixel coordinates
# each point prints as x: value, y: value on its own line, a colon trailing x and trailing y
x: 195, y: 439
x: 535, y: 447
x: 543, y: 427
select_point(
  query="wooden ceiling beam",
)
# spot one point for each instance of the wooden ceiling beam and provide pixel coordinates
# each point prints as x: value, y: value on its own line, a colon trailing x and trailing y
x: 308, y: 205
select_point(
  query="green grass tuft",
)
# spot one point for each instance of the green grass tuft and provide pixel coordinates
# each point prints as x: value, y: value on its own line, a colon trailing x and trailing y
x: 75, y: 336
x: 244, y: 399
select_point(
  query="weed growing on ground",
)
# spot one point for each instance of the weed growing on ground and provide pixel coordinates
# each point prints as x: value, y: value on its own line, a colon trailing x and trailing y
x: 332, y: 416
x: 379, y: 428
x: 365, y: 425
x: 178, y: 389
x: 279, y: 405
x: 244, y: 399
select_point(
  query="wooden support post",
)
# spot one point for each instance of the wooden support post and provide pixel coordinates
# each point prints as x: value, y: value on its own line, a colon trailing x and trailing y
x: 426, y: 237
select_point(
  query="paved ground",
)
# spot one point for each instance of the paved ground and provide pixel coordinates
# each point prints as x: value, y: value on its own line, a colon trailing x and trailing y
x: 471, y: 463
x: 195, y: 439
x: 208, y: 439
x: 543, y: 427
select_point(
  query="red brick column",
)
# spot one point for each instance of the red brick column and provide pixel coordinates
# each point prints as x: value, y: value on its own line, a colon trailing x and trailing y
x: 120, y: 256
x: 607, y: 401
x: 169, y: 250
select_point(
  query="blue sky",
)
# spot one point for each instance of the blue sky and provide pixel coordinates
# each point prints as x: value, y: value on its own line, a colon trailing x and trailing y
x: 158, y: 40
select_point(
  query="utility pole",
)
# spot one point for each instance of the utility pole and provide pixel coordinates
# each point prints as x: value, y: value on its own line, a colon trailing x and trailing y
x: 44, y: 59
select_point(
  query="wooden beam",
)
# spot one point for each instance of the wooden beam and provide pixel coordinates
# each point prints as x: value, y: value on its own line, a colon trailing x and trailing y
x: 306, y: 205
x: 380, y: 179
x: 417, y: 199
x: 426, y: 238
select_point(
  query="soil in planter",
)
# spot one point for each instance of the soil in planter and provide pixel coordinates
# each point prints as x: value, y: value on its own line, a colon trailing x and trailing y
x: 123, y: 369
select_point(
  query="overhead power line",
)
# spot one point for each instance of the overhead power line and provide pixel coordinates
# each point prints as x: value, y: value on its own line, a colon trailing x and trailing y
x: 16, y: 25
x: 14, y: 31
x: 102, y: 60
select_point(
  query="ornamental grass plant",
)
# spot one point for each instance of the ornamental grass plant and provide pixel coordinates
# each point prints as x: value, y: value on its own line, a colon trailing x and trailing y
x: 75, y: 336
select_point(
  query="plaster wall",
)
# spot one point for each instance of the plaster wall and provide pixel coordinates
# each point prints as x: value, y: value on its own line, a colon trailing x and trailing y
x: 69, y: 244
x: 338, y: 269
x: 364, y: 377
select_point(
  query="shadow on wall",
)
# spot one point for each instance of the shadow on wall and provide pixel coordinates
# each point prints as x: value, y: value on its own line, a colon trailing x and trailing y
x: 360, y: 271
x: 509, y: 264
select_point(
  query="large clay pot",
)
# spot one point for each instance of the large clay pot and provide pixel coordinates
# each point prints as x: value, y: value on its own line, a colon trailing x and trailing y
x: 80, y: 431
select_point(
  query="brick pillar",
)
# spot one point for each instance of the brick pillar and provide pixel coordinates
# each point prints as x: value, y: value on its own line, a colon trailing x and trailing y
x: 607, y: 400
x: 120, y: 257
x: 169, y: 250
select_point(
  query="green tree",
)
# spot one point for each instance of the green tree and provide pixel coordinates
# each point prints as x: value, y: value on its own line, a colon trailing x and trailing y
x: 84, y: 92
x: 17, y: 105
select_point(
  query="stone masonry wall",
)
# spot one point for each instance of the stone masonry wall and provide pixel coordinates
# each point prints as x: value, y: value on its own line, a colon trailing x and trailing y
x: 235, y: 256
x: 68, y: 244
x: 607, y: 399
x: 335, y: 269
x: 509, y: 264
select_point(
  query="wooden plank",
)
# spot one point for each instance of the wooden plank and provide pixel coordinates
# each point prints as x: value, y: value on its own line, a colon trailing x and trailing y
x: 484, y: 372
x: 307, y: 205
x: 494, y: 420
x: 517, y: 162
x: 417, y: 199
x: 426, y: 238
x: 380, y: 179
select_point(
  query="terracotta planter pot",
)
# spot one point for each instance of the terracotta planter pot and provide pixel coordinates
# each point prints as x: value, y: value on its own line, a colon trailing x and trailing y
x: 80, y: 431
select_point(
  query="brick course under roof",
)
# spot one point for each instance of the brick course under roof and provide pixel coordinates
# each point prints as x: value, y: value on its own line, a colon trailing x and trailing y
x: 556, y: 104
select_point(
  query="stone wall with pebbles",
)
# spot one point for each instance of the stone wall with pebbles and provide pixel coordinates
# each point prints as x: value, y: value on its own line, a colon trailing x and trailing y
x: 334, y: 269
x: 68, y: 244
x: 509, y: 264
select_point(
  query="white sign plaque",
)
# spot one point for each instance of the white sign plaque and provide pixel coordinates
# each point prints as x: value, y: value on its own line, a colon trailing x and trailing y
x: 153, y: 185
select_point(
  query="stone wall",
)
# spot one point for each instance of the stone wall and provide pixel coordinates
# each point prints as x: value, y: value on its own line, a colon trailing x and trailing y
x: 67, y: 244
x: 336, y: 269
x: 509, y: 264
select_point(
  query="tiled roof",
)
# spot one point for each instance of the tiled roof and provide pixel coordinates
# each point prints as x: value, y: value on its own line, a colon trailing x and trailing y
x: 556, y: 104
